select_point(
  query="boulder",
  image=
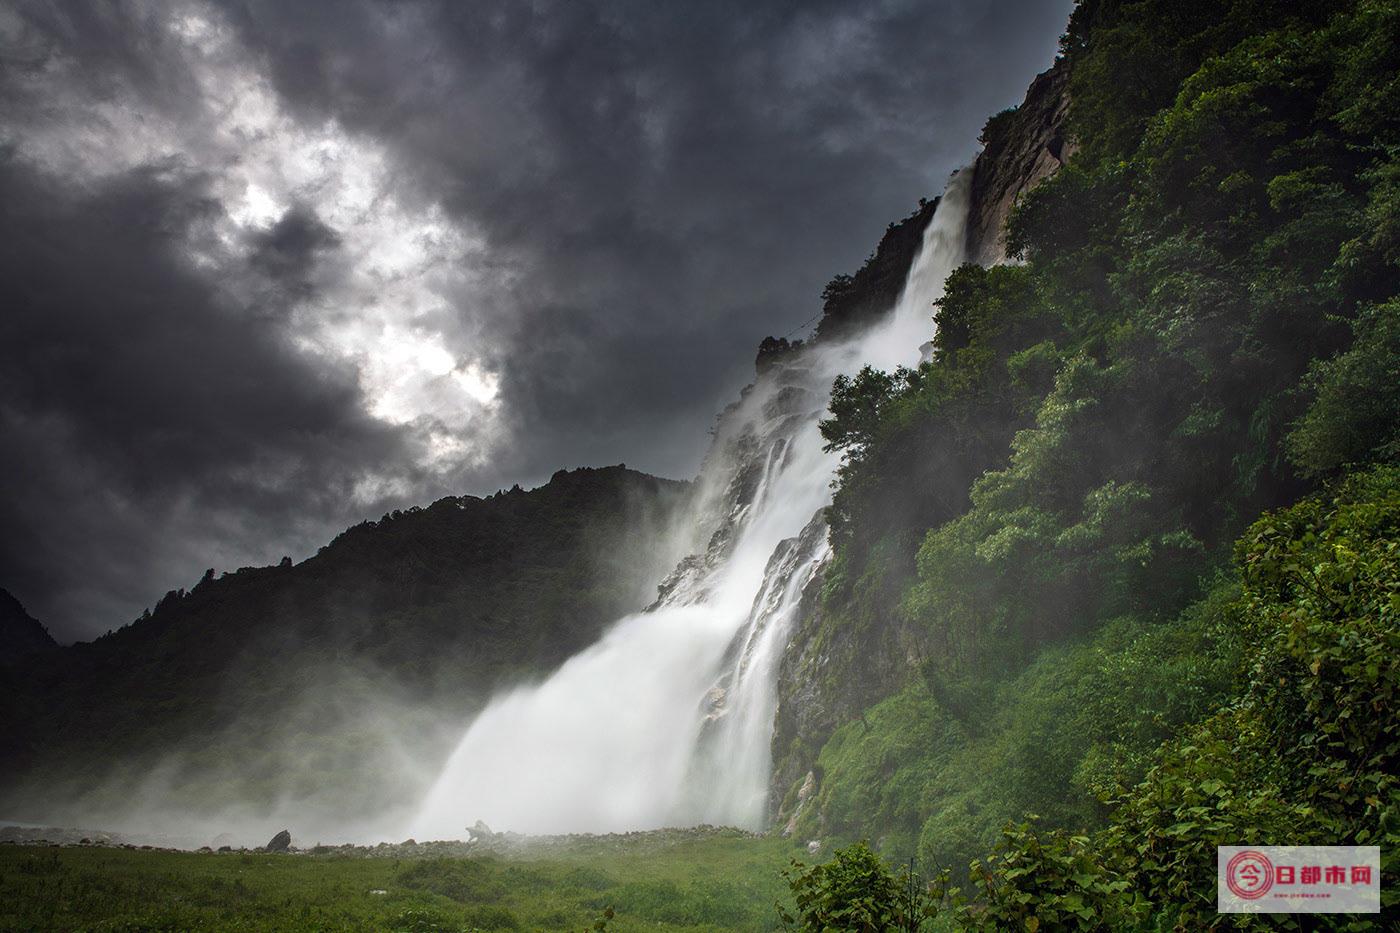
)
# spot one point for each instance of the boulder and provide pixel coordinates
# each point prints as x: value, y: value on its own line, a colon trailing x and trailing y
x: 279, y: 843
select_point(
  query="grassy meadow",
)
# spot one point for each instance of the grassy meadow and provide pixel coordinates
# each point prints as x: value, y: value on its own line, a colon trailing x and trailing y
x: 719, y: 882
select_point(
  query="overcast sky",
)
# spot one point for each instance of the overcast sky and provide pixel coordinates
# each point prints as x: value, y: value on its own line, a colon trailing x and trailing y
x: 271, y: 268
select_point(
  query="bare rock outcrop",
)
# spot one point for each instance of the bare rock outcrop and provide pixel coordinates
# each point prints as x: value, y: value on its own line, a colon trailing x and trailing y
x: 1022, y: 148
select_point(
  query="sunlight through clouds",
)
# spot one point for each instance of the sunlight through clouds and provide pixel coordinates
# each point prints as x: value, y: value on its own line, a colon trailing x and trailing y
x: 383, y: 297
x: 277, y: 268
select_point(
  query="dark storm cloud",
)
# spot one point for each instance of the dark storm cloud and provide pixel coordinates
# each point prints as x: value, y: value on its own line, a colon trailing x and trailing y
x: 677, y: 181
x: 136, y: 403
x: 658, y: 186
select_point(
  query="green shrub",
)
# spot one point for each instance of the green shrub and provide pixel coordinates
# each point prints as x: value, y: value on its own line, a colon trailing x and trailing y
x: 855, y: 891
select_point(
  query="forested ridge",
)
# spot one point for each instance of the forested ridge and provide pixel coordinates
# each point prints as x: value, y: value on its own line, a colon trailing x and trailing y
x: 337, y: 682
x: 1136, y: 524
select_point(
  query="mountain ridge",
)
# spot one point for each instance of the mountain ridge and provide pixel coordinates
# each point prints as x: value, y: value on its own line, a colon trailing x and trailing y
x: 435, y: 607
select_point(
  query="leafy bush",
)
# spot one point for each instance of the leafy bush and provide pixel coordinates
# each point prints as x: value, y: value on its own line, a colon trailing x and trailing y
x: 855, y: 891
x: 1044, y: 880
x: 1355, y: 415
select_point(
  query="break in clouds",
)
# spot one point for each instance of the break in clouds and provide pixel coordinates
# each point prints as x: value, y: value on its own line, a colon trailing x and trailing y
x: 270, y: 269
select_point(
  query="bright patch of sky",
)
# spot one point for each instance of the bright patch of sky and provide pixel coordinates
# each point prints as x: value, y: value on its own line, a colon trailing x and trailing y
x: 386, y: 301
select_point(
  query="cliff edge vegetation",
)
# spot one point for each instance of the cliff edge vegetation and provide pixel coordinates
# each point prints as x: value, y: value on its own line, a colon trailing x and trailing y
x: 1121, y: 555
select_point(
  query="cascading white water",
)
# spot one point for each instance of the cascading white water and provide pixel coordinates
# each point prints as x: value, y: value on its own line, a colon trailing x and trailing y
x: 667, y: 720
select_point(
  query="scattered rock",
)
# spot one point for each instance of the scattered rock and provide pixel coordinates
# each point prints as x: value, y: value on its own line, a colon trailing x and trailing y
x: 279, y: 843
x: 379, y: 891
x: 814, y: 847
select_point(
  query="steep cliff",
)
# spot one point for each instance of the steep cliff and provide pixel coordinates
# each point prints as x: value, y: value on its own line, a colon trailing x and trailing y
x: 835, y: 668
x: 1021, y: 148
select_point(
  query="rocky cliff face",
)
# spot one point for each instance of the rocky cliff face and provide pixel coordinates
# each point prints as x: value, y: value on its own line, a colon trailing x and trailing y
x: 831, y: 673
x: 834, y: 669
x: 1021, y: 148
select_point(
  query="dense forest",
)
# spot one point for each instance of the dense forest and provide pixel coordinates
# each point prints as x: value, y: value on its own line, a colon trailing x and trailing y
x: 1137, y: 521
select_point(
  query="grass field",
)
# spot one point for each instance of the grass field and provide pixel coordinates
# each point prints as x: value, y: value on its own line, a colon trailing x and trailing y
x: 718, y: 882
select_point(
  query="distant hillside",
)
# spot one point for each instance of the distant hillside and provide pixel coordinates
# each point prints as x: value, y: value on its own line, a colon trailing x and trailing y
x: 331, y: 680
x: 20, y: 633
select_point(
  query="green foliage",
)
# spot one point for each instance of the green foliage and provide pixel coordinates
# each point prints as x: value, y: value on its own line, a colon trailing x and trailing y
x: 1131, y: 56
x: 1320, y: 602
x: 938, y: 771
x: 1355, y: 415
x: 465, y: 880
x: 1037, y: 880
x: 915, y: 440
x: 995, y: 125
x: 1053, y: 545
x: 857, y: 404
x: 1318, y: 614
x: 855, y: 891
x: 1204, y: 329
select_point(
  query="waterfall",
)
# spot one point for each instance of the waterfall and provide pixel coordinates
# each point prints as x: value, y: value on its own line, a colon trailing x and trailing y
x: 667, y: 719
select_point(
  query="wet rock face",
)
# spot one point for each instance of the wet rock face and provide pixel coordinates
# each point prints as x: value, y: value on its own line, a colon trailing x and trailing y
x: 1021, y: 149
x: 804, y: 794
x: 829, y: 675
